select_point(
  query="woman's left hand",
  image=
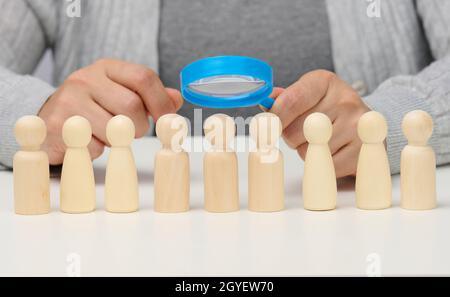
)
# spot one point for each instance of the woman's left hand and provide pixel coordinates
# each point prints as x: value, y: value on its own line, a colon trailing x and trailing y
x: 323, y: 91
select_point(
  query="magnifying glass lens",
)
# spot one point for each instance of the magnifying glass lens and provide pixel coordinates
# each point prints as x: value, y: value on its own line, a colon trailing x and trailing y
x: 227, y: 82
x: 226, y: 85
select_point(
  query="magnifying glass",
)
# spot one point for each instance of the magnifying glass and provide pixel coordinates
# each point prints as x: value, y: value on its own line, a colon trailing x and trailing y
x: 227, y: 82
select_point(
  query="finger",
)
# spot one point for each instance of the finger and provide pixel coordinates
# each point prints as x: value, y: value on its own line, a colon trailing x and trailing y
x: 96, y: 148
x: 176, y: 97
x: 335, y: 144
x: 143, y: 81
x: 98, y: 118
x: 301, y: 96
x: 82, y: 104
x: 346, y: 160
x: 302, y: 149
x: 276, y: 91
x: 343, y: 134
x: 293, y: 134
x: 116, y: 99
x: 55, y: 148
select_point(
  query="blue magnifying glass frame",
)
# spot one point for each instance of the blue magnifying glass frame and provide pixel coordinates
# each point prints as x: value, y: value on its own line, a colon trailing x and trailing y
x: 223, y: 66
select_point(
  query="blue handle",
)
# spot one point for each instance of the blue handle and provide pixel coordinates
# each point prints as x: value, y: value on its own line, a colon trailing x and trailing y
x: 267, y: 102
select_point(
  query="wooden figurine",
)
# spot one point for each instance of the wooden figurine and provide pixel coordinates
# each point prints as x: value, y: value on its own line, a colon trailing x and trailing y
x: 319, y: 180
x: 418, y: 163
x: 265, y: 166
x: 77, y: 189
x: 121, y: 181
x: 31, y: 168
x: 373, y: 176
x: 220, y: 167
x: 171, y: 165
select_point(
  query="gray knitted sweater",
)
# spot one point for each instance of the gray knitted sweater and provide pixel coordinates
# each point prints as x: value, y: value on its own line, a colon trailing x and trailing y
x: 399, y: 61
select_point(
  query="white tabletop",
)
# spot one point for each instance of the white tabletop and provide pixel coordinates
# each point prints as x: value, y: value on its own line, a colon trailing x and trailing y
x: 345, y: 241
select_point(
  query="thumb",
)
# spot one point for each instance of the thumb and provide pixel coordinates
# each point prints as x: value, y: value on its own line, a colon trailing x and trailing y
x: 275, y: 93
x: 176, y: 97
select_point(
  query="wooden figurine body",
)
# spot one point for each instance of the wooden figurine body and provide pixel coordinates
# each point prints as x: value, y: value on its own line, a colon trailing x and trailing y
x: 172, y: 178
x: 31, y: 168
x: 319, y: 180
x: 373, y: 177
x: 121, y: 181
x: 77, y: 177
x: 220, y: 168
x: 418, y: 163
x: 266, y: 165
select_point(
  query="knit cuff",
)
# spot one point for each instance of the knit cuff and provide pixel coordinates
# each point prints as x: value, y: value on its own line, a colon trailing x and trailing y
x: 394, y: 101
x: 20, y: 95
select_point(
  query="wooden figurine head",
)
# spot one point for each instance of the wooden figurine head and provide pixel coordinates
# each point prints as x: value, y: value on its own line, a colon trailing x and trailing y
x: 265, y: 130
x: 317, y: 128
x: 77, y: 132
x: 30, y: 132
x: 417, y: 126
x: 172, y: 130
x: 219, y: 130
x: 120, y: 131
x: 372, y: 127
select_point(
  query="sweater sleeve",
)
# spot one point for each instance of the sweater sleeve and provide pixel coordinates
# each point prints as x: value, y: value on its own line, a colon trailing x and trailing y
x: 24, y: 36
x: 429, y: 90
x: 19, y: 95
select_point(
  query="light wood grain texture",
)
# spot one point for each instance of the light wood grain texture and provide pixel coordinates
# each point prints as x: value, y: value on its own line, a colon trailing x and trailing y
x: 121, y: 180
x: 418, y: 163
x: 373, y: 177
x: 172, y: 177
x: 220, y: 169
x: 77, y: 189
x: 266, y: 165
x: 31, y: 168
x: 319, y: 180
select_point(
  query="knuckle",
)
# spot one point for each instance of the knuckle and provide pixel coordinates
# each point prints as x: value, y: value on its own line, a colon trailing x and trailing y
x: 144, y: 76
x: 78, y: 78
x: 102, y: 62
x: 132, y: 103
x: 324, y: 74
x: 65, y: 101
x: 351, y: 102
x: 54, y: 124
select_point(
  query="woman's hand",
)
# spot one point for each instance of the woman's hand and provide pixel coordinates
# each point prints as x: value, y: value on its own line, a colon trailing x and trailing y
x: 100, y: 91
x: 323, y: 91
